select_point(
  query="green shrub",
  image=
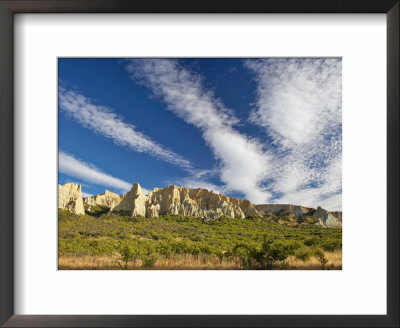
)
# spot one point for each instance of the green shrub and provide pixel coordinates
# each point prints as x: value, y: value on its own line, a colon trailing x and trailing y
x: 127, y: 253
x: 171, y: 235
x: 303, y: 254
x: 331, y: 244
x: 320, y: 256
x: 270, y: 253
x: 313, y: 241
x: 149, y: 260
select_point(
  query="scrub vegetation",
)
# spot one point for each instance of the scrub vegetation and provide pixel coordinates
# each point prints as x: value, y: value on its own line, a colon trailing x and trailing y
x: 115, y: 241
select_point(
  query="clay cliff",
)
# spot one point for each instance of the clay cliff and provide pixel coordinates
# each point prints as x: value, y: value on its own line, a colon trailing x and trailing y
x: 108, y: 199
x: 70, y: 198
x: 337, y: 215
x: 283, y: 209
x: 326, y: 219
x: 209, y: 205
x: 179, y: 200
x: 134, y: 202
x: 198, y: 202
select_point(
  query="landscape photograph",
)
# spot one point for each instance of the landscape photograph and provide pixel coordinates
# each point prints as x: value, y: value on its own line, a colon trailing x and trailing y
x: 200, y: 164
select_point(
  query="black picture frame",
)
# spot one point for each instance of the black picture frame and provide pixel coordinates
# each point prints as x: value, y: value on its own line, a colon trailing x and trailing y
x: 10, y: 7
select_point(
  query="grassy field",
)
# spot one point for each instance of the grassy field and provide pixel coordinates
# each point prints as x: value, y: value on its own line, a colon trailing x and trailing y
x: 112, y: 241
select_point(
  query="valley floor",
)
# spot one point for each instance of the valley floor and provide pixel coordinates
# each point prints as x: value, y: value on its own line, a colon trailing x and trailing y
x: 188, y: 262
x: 110, y: 241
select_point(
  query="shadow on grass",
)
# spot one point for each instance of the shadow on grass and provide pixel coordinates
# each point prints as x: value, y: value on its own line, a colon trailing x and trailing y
x: 97, y: 211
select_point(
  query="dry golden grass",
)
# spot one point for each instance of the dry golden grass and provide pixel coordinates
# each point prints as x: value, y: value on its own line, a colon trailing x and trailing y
x: 86, y: 262
x: 183, y: 262
x: 334, y: 262
x: 186, y: 262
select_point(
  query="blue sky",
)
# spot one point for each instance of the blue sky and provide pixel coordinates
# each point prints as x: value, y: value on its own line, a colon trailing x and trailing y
x: 268, y: 130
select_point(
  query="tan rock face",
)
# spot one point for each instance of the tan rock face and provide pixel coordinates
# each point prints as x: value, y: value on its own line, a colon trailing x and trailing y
x: 279, y: 209
x: 179, y: 200
x: 327, y: 218
x: 207, y: 204
x: 134, y: 202
x: 198, y: 202
x: 337, y: 215
x: 108, y: 199
x: 70, y: 198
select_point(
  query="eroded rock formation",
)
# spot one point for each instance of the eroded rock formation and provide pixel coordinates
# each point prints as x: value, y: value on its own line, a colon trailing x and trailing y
x: 184, y: 201
x: 207, y: 204
x: 283, y: 209
x: 179, y: 200
x: 108, y: 199
x: 134, y: 202
x: 326, y: 219
x: 70, y: 198
x: 337, y: 215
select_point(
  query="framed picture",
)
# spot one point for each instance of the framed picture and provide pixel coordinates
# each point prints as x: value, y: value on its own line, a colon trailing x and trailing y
x: 211, y: 210
x: 172, y: 167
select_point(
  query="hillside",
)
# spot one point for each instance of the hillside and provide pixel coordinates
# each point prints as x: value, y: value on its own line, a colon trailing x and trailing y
x: 175, y: 200
x: 187, y: 242
x: 182, y: 228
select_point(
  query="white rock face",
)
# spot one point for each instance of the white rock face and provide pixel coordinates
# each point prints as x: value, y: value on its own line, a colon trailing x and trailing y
x: 327, y: 218
x: 184, y: 201
x: 70, y: 198
x: 203, y: 203
x: 108, y: 199
x: 265, y: 209
x: 198, y: 202
x: 134, y: 202
x: 337, y: 215
x: 152, y: 210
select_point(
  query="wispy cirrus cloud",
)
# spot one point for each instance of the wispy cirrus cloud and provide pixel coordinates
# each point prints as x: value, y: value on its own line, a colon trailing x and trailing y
x: 86, y: 195
x: 298, y: 103
x: 297, y: 99
x: 243, y: 164
x: 194, y: 183
x: 73, y: 167
x: 201, y: 179
x: 105, y: 122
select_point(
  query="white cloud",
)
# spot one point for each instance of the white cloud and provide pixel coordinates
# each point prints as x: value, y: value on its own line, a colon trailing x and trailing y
x: 243, y: 163
x: 103, y: 121
x: 332, y: 203
x: 198, y: 183
x: 327, y: 194
x: 299, y: 106
x: 86, y: 195
x: 199, y: 179
x: 76, y: 168
x: 297, y: 98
